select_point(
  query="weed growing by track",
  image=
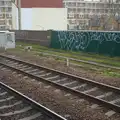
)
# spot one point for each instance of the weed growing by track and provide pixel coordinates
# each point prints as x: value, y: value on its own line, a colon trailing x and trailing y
x: 104, y: 59
x: 77, y: 55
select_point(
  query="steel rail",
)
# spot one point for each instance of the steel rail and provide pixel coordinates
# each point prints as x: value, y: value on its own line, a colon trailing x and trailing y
x: 83, y: 61
x: 76, y: 92
x: 33, y: 103
x: 109, y: 87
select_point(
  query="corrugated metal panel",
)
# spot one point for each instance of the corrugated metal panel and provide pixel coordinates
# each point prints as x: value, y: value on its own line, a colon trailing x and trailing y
x: 42, y: 3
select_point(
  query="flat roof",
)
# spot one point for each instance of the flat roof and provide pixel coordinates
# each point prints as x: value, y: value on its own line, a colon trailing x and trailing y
x: 42, y: 3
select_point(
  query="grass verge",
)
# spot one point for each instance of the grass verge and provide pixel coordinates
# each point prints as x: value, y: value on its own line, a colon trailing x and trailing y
x: 92, y: 68
x: 113, y: 61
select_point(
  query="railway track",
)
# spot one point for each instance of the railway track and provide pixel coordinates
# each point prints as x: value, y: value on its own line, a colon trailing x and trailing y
x: 16, y: 106
x: 76, y: 61
x: 80, y: 61
x: 100, y: 93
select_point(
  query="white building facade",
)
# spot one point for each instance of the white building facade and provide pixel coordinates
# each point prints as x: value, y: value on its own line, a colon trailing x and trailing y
x: 49, y: 18
x: 81, y: 11
x: 7, y: 15
x: 44, y: 18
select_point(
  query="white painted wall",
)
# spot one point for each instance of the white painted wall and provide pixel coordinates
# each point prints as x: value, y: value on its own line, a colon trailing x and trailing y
x: 26, y: 18
x: 49, y: 18
x: 44, y: 18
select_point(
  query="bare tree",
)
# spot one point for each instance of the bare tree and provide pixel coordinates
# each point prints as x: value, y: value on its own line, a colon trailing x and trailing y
x: 114, y: 9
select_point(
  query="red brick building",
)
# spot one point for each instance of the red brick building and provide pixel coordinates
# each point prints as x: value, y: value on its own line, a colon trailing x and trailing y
x: 42, y: 3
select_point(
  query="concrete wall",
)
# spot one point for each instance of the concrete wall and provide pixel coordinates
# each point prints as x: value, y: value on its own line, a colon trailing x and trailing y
x: 29, y: 36
x: 49, y: 18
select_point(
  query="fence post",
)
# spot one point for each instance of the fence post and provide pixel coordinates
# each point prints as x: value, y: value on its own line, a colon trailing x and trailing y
x: 67, y: 62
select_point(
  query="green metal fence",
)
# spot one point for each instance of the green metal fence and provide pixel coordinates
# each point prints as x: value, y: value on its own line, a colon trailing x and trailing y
x: 88, y: 41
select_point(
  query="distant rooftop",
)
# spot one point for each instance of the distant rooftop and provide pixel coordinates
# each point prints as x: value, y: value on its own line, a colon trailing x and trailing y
x: 42, y: 3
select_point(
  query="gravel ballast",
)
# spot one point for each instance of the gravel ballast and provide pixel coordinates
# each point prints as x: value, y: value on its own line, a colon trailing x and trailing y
x: 52, y: 63
x: 63, y: 103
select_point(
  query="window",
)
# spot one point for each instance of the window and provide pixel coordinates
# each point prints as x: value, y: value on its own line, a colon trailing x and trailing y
x: 2, y: 2
x: 78, y: 10
x: 1, y: 15
x: 71, y: 15
x: 2, y: 9
x: 8, y: 3
x: 8, y: 15
x: 10, y: 22
x: 9, y: 9
x: 2, y: 27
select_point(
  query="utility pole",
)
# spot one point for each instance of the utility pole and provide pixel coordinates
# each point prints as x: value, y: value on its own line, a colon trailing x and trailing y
x: 19, y: 14
x: 5, y: 18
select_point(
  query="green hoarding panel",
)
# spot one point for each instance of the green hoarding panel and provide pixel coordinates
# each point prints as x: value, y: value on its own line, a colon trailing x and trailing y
x: 89, y: 41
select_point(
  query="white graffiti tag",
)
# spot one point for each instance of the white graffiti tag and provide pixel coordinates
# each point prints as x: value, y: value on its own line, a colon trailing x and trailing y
x: 80, y: 40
